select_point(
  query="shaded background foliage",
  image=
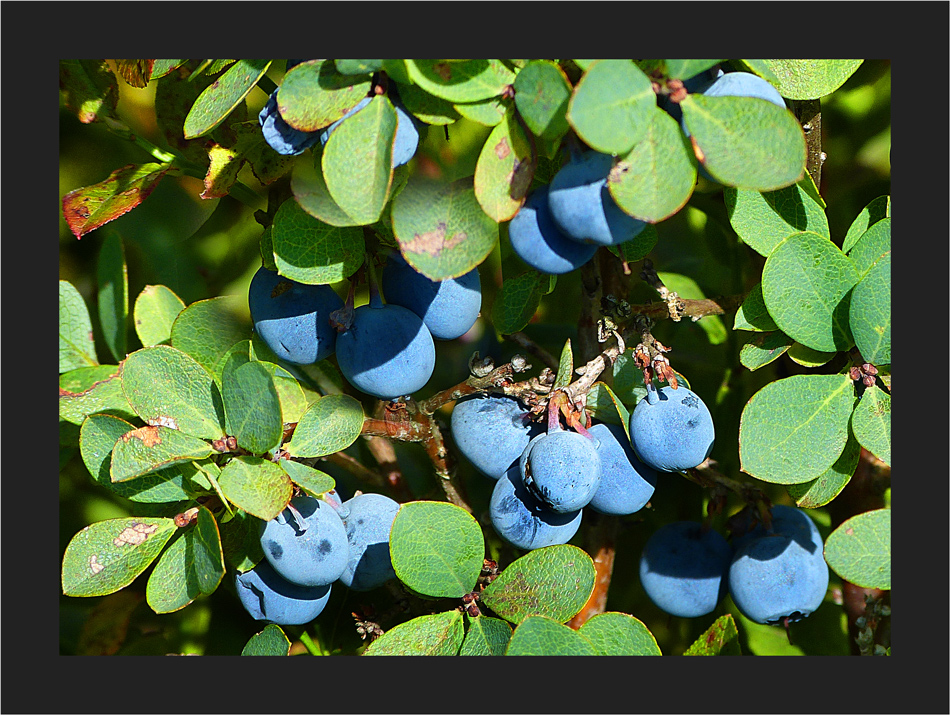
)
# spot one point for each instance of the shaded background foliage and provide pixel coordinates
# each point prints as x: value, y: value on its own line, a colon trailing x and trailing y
x: 207, y: 248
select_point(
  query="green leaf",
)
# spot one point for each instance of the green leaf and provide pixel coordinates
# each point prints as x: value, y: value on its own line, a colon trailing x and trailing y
x: 542, y: 94
x: 113, y: 296
x: 870, y: 313
x: 806, y: 357
x: 806, y: 284
x: 604, y: 405
x: 293, y: 400
x: 437, y: 549
x: 504, y: 170
x: 873, y: 244
x: 310, y: 251
x: 163, y: 383
x: 684, y: 69
x: 150, y: 448
x: 207, y: 329
x: 611, y: 106
x: 193, y: 565
x: 565, y: 368
x: 461, y: 81
x: 517, y: 302
x: 427, y: 107
x: 878, y: 209
x: 859, y: 550
x: 104, y: 396
x: 487, y: 112
x: 76, y: 345
x: 358, y: 66
x: 331, y: 424
x: 746, y: 142
x: 794, y: 429
x: 270, y: 641
x: 764, y: 348
x: 310, y: 189
x: 655, y: 178
x: 89, y: 88
x: 314, y: 94
x: 613, y: 633
x: 438, y: 634
x: 871, y: 422
x: 752, y: 314
x: 760, y: 68
x: 241, y: 539
x: 216, y: 102
x: 820, y: 491
x: 553, y: 581
x: 540, y: 635
x: 154, y: 314
x: 307, y: 478
x: 640, y: 246
x: 256, y: 485
x: 357, y: 161
x: 763, y: 219
x: 441, y: 228
x: 109, y: 555
x: 252, y: 408
x: 486, y: 636
x: 721, y: 638
x: 163, y: 67
x: 810, y: 79
x: 687, y: 288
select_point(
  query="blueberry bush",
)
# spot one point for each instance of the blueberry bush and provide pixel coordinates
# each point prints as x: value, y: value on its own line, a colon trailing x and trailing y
x: 475, y: 357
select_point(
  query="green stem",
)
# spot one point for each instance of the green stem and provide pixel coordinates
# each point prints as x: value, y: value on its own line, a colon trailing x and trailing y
x: 308, y: 643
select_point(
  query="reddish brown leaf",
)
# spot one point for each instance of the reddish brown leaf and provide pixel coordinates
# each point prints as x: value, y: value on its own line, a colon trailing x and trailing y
x: 135, y: 72
x: 89, y: 207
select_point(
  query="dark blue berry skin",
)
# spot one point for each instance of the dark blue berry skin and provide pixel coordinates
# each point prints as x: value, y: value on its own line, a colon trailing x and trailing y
x: 268, y: 597
x: 282, y: 137
x: 582, y: 207
x: 406, y: 141
x: 368, y: 525
x: 293, y: 318
x: 626, y: 483
x: 308, y: 547
x: 562, y: 469
x: 525, y: 522
x: 672, y: 430
x: 781, y: 573
x: 684, y: 570
x: 449, y: 308
x: 491, y: 432
x: 538, y: 241
x: 387, y: 351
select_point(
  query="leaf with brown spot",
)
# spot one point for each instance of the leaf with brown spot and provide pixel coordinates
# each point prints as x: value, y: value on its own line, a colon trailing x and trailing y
x: 87, y: 208
x: 148, y: 435
x: 151, y: 448
x: 136, y: 72
x: 505, y: 169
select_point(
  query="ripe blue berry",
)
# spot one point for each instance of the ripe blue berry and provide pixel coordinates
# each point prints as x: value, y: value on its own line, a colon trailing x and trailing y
x: 307, y: 544
x: 672, y: 430
x: 538, y: 241
x: 524, y: 521
x: 491, y: 431
x: 268, y: 597
x: 561, y: 469
x: 626, y: 483
x: 368, y: 525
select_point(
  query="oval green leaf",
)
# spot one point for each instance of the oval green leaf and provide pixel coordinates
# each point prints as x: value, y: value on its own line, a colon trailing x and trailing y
x: 793, y: 430
x: 820, y: 491
x: 461, y: 81
x: 878, y: 209
x: 109, y: 555
x: 810, y: 79
x: 427, y: 107
x: 752, y: 314
x: 76, y: 345
x: 764, y: 348
x: 438, y: 634
x: 488, y: 112
x: 613, y: 633
x: 437, y: 549
x: 270, y: 641
x: 252, y: 408
x: 310, y: 251
x: 112, y: 277
x: 486, y: 636
x: 859, y: 550
x: 216, y: 102
x: 331, y: 424
x: 871, y: 423
x: 611, y: 106
x: 310, y: 189
x: 311, y: 480
x: 806, y: 357
x: 542, y: 94
x: 554, y: 581
x: 150, y: 448
x: 540, y: 635
x: 164, y: 383
x: 806, y: 284
x: 257, y: 486
x: 207, y: 329
x: 870, y: 313
x: 441, y: 228
x: 314, y: 94
x: 504, y: 170
x: 871, y: 245
x: 104, y: 396
x: 746, y: 142
x: 154, y: 314
x: 193, y: 565
x: 517, y: 301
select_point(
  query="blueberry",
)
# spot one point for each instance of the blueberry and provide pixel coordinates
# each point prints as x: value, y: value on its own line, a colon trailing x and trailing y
x: 491, y: 432
x: 626, y: 483
x: 368, y: 525
x: 684, y: 570
x: 539, y: 242
x: 562, y: 469
x: 449, y: 308
x: 741, y: 84
x: 672, y: 430
x: 282, y: 137
x: 387, y: 351
x: 268, y: 597
x: 782, y: 573
x: 406, y: 141
x: 525, y: 522
x: 306, y: 545
x: 293, y: 318
x: 581, y: 204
